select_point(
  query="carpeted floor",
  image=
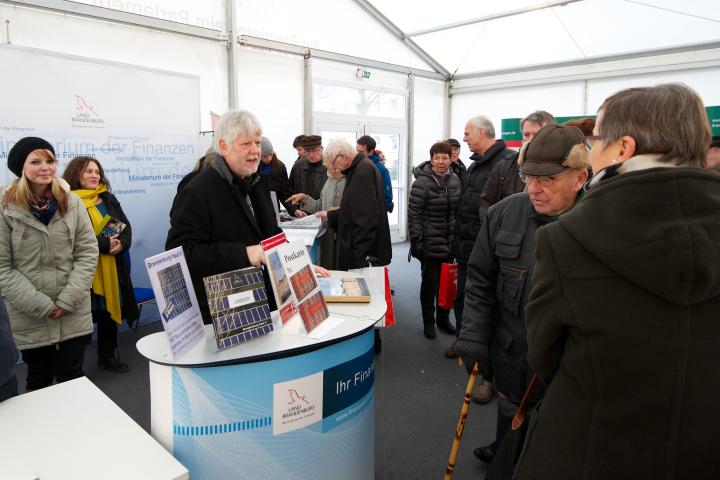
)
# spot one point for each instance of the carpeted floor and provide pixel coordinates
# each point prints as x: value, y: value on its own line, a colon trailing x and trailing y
x: 418, y: 394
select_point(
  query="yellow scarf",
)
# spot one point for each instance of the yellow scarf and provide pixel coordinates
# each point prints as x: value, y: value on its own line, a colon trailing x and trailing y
x: 105, y: 281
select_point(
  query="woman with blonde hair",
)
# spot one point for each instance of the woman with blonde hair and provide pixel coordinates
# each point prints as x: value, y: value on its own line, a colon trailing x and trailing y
x: 47, y: 259
x: 112, y: 298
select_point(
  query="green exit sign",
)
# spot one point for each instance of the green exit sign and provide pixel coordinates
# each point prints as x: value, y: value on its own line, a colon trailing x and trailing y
x: 360, y: 73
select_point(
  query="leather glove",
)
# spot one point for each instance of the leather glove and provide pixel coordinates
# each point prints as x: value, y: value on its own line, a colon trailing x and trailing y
x: 471, y: 352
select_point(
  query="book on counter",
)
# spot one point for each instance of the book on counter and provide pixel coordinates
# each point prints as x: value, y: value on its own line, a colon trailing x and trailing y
x: 349, y: 289
x: 238, y: 306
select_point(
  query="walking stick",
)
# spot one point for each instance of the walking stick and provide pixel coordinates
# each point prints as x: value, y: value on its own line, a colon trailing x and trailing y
x: 461, y: 424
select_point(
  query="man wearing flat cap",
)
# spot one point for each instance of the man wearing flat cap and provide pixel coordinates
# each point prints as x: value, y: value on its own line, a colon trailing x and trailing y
x: 456, y: 165
x: 554, y: 167
x: 308, y: 174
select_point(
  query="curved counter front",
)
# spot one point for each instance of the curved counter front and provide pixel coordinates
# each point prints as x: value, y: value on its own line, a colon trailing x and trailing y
x: 283, y: 406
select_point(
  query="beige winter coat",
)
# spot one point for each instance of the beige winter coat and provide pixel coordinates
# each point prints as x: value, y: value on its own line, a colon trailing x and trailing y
x: 46, y: 266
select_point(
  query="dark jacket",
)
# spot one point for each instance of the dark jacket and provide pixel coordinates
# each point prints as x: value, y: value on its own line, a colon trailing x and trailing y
x: 361, y: 221
x: 386, y: 180
x: 459, y: 169
x: 8, y: 351
x: 431, y: 212
x: 623, y: 322
x: 468, y: 219
x: 129, y: 307
x: 497, y: 290
x: 307, y: 178
x: 276, y: 180
x: 214, y: 224
x: 503, y: 181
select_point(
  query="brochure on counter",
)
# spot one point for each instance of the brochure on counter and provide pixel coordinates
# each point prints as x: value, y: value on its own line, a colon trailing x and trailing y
x: 345, y: 290
x: 305, y: 229
x: 176, y: 301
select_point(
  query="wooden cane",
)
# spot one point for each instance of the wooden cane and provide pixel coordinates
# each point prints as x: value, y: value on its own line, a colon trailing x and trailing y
x: 461, y: 424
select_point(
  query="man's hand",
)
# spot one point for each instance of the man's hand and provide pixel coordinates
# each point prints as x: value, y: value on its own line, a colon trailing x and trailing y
x: 320, y: 271
x: 57, y: 312
x: 472, y: 352
x: 300, y: 214
x: 297, y: 198
x: 322, y: 214
x: 256, y: 255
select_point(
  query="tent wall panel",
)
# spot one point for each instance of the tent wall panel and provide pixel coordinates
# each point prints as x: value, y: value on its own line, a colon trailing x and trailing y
x: 429, y: 118
x: 119, y: 43
x: 271, y: 86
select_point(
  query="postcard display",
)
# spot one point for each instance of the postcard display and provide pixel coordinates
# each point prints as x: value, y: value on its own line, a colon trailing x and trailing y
x: 300, y: 300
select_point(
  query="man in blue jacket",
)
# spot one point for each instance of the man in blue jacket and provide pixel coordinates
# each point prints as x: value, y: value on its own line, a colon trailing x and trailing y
x: 366, y: 146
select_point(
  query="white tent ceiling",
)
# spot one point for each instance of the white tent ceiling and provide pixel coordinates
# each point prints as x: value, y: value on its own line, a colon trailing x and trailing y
x: 455, y: 38
x: 470, y: 37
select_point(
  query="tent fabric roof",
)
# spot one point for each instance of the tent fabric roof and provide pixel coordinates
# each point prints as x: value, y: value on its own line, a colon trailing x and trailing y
x: 468, y: 37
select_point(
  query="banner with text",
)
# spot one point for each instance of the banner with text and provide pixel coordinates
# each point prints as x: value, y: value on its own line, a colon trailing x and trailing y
x: 142, y: 126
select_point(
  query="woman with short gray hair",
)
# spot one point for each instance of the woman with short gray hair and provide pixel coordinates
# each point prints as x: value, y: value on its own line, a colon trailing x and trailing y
x: 622, y: 322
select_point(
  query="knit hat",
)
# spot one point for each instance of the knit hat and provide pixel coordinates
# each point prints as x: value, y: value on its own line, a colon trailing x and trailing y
x: 266, y: 147
x: 453, y: 142
x: 311, y: 142
x: 549, y: 149
x: 20, y: 151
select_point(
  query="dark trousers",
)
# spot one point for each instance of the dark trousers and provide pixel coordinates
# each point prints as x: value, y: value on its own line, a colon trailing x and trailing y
x: 506, y: 410
x: 107, y: 331
x: 9, y: 389
x: 62, y: 361
x: 460, y: 297
x: 430, y: 270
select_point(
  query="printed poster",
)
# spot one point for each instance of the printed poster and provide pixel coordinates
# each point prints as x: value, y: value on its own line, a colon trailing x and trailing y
x: 176, y: 301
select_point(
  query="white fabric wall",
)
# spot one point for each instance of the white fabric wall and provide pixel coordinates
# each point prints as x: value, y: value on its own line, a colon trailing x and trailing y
x: 271, y: 86
x: 131, y: 45
x: 558, y: 99
x: 429, y: 118
x: 704, y: 81
x: 572, y: 97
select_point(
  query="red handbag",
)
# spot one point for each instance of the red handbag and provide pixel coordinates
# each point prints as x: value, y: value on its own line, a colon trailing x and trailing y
x: 447, y: 290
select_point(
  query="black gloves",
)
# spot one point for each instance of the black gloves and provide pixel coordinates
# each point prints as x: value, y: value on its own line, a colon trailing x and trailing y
x: 471, y: 352
x: 416, y: 249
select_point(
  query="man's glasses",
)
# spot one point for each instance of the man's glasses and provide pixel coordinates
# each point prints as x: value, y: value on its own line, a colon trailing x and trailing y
x: 591, y: 139
x: 544, y: 181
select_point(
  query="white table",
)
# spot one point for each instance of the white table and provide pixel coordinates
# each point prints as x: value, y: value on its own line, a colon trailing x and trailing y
x: 73, y: 431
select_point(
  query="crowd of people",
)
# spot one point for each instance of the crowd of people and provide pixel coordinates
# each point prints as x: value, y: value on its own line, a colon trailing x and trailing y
x: 588, y: 279
x: 588, y: 260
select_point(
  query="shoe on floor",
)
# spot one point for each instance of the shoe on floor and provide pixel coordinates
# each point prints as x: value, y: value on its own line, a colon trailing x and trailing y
x: 450, y: 352
x: 429, y: 330
x: 112, y: 364
x: 485, y: 454
x: 483, y: 391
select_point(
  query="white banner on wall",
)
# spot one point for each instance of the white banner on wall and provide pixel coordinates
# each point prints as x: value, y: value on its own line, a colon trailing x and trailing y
x: 142, y: 126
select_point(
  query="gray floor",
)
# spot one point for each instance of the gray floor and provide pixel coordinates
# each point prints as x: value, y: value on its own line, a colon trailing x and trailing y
x: 418, y: 394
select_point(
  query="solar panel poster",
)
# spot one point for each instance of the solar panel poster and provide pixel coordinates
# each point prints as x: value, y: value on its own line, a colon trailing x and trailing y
x: 176, y: 301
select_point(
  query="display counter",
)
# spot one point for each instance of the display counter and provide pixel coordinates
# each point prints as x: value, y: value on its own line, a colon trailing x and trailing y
x: 284, y: 406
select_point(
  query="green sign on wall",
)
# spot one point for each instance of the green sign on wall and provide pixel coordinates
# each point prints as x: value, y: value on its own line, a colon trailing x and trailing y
x: 713, y: 114
x: 512, y: 134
